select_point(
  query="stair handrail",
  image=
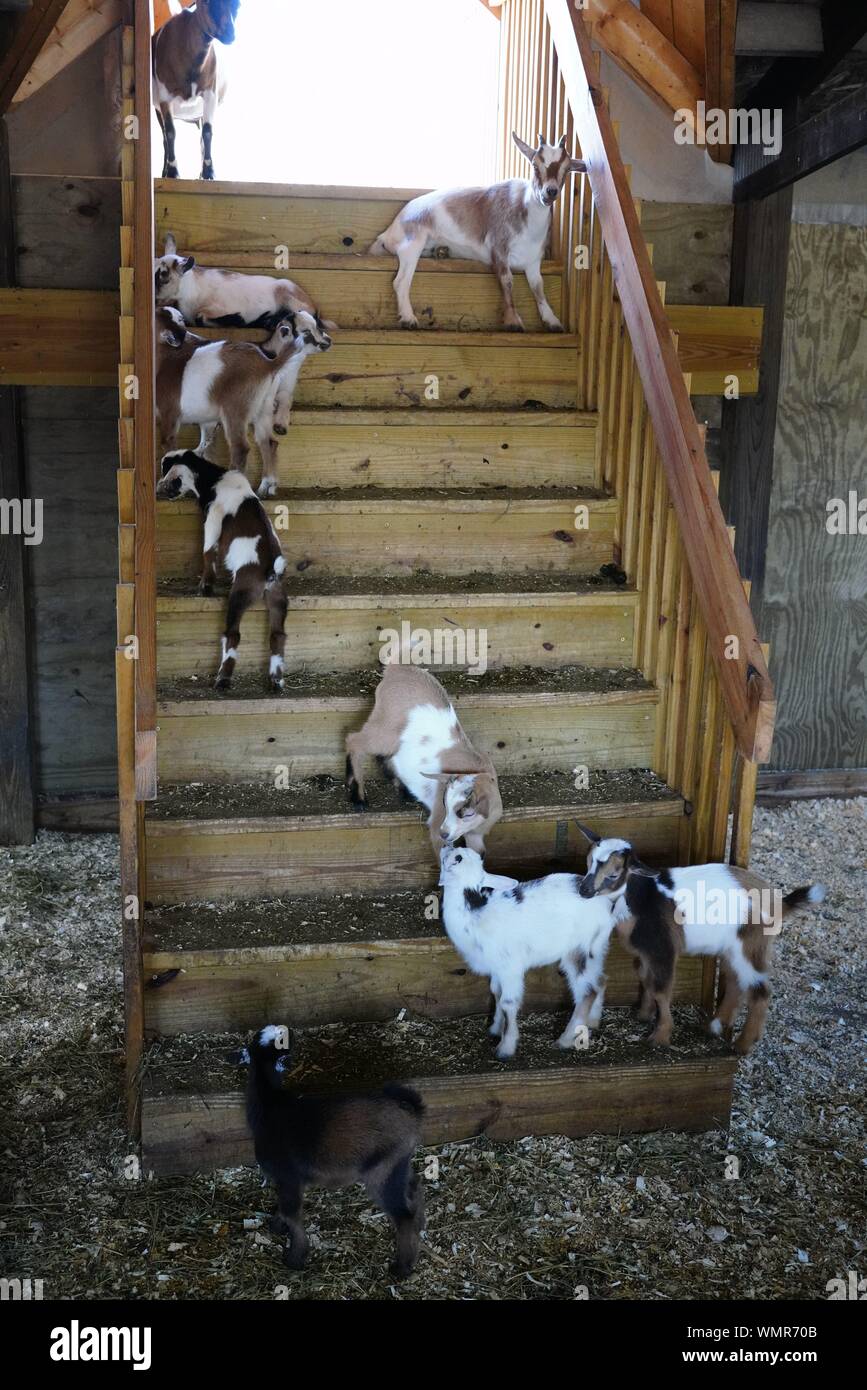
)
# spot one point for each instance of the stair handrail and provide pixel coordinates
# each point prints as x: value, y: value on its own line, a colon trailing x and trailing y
x: 744, y: 682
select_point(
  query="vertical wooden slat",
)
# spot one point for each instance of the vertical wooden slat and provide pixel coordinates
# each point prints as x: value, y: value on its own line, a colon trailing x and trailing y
x: 145, y: 442
x: 17, y: 795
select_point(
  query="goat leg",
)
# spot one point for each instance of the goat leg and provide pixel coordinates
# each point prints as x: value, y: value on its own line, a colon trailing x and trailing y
x: 511, y: 318
x: 166, y: 120
x: 209, y: 106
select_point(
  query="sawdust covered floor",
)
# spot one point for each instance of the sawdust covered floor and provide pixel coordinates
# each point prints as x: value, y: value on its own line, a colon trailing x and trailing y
x: 651, y: 1216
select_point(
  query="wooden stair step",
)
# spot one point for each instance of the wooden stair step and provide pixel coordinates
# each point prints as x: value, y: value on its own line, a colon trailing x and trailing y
x: 334, y: 622
x: 243, y: 840
x: 453, y: 448
x: 229, y: 217
x: 193, y: 1111
x: 326, y: 959
x: 356, y: 291
x: 576, y: 715
x: 384, y: 369
x: 371, y: 533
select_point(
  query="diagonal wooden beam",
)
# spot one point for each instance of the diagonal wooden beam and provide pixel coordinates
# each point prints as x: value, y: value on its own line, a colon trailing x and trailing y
x: 21, y: 39
x: 82, y: 25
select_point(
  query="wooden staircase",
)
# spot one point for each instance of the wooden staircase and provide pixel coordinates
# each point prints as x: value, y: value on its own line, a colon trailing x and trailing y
x: 457, y: 479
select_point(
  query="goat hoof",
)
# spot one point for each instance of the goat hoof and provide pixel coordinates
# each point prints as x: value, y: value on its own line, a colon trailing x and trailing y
x: 205, y: 591
x: 208, y: 173
x: 361, y: 805
x: 741, y: 1047
x: 555, y: 327
x: 278, y: 685
x: 659, y: 1042
x: 292, y: 1260
x: 504, y: 1053
x: 222, y: 683
x: 400, y: 1270
x: 409, y: 323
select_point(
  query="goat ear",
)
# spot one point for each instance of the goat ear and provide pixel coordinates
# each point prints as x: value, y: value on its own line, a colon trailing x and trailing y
x: 171, y: 246
x: 562, y: 142
x: 524, y: 148
x: 588, y: 834
x: 188, y: 264
x: 577, y: 166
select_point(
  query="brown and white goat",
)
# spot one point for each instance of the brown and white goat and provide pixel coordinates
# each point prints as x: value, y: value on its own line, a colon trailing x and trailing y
x: 414, y: 727
x: 507, y: 226
x: 702, y: 910
x: 239, y: 537
x: 188, y: 83
x: 233, y: 384
x: 226, y: 298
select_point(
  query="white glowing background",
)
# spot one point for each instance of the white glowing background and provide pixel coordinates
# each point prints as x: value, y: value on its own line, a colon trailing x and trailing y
x: 382, y: 93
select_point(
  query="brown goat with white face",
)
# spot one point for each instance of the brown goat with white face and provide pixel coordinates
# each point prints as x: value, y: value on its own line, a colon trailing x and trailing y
x: 703, y: 910
x: 188, y: 82
x: 507, y: 226
x: 414, y: 727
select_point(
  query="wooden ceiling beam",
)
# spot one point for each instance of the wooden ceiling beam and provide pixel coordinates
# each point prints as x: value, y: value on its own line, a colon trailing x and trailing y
x: 645, y: 54
x: 836, y: 131
x: 21, y: 39
x: 83, y: 23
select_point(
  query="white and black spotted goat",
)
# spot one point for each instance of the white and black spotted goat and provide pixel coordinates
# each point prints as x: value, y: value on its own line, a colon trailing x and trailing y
x: 503, y: 932
x: 239, y: 537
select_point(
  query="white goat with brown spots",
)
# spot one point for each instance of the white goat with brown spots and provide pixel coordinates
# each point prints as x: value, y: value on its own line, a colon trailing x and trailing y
x: 226, y: 298
x: 507, y: 226
x: 414, y: 727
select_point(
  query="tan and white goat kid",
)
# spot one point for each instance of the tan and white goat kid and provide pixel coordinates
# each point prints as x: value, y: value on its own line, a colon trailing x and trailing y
x: 227, y: 298
x: 238, y: 537
x: 414, y: 727
x: 507, y: 226
x: 236, y: 385
x: 504, y: 932
x: 703, y: 910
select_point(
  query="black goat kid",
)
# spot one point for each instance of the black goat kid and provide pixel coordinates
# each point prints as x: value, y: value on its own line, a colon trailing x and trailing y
x: 332, y: 1141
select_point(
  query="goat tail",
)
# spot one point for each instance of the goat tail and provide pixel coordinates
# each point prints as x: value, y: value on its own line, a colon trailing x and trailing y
x: 406, y: 1098
x: 800, y: 898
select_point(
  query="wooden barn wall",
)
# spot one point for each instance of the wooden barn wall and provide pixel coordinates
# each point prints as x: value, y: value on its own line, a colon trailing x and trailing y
x: 814, y: 608
x: 67, y: 237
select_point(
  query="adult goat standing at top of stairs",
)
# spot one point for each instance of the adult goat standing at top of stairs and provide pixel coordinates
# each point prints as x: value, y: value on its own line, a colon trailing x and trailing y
x: 187, y: 82
x: 507, y: 226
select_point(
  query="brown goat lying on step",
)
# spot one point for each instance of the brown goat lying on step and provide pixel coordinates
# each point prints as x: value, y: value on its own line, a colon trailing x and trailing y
x: 332, y: 1141
x: 703, y: 910
x: 239, y: 536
